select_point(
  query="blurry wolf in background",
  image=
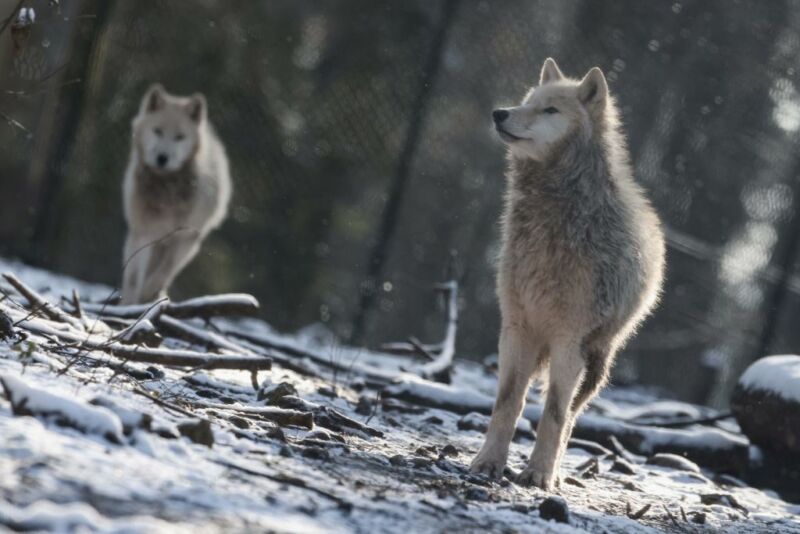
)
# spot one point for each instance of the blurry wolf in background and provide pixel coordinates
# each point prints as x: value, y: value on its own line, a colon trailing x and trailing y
x: 581, y: 264
x: 176, y: 190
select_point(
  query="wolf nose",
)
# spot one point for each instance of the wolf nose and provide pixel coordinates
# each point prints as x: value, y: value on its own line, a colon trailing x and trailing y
x: 161, y: 160
x: 499, y: 115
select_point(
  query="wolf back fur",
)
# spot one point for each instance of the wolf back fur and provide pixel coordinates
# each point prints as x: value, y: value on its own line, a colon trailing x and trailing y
x: 176, y: 190
x: 581, y: 263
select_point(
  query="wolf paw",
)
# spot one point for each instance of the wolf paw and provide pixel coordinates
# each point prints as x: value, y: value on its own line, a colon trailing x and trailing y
x: 489, y: 465
x: 531, y: 476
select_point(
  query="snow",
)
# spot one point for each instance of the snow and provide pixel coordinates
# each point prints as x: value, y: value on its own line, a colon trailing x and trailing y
x: 777, y: 374
x: 57, y: 478
x: 94, y: 419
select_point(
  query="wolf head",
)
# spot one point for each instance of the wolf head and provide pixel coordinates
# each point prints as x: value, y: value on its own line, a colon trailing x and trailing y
x: 168, y: 128
x: 556, y: 110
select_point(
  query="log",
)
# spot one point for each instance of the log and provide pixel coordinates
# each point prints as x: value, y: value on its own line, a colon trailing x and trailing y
x: 766, y: 403
x: 709, y: 447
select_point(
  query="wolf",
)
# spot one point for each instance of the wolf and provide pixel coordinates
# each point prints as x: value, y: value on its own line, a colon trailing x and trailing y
x: 176, y: 189
x: 581, y: 262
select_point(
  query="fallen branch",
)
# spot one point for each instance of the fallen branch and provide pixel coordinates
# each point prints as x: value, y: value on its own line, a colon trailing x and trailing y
x: 35, y: 300
x: 710, y: 447
x: 178, y: 358
x: 233, y: 304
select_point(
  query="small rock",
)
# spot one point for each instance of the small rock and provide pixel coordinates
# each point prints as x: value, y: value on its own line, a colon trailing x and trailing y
x: 326, y: 435
x: 572, y: 481
x: 424, y: 451
x: 286, y: 451
x: 621, y: 465
x: 272, y: 394
x: 393, y: 405
x: 358, y: 384
x: 239, y: 422
x: 155, y: 372
x: 521, y: 508
x: 433, y: 420
x: 277, y: 434
x: 698, y: 517
x: 6, y: 326
x: 398, y: 460
x: 364, y: 406
x: 673, y: 461
x: 316, y: 453
x: 473, y: 421
x: 197, y: 430
x: 327, y: 391
x: 421, y: 462
x: 476, y: 494
x: 554, y: 508
x: 449, y: 450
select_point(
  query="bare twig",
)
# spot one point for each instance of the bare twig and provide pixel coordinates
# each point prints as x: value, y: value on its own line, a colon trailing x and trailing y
x: 439, y: 369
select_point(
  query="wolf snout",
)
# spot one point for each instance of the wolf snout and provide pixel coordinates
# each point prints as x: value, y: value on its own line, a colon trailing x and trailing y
x: 499, y: 115
x: 161, y: 160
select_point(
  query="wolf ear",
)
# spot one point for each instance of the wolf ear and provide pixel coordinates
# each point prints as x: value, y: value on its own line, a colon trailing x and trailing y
x: 593, y: 90
x: 550, y: 72
x: 154, y: 98
x: 196, y: 108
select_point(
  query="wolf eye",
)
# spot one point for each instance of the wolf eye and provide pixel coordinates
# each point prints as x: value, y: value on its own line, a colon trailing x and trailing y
x: 180, y: 137
x: 158, y: 132
x: 550, y: 110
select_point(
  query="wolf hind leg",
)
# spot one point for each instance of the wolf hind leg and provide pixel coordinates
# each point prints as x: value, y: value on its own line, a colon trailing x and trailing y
x: 520, y: 360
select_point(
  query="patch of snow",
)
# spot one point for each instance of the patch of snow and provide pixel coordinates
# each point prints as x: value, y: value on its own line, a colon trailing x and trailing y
x: 92, y: 419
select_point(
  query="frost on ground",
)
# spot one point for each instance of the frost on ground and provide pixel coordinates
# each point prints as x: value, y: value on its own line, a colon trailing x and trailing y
x: 111, y: 444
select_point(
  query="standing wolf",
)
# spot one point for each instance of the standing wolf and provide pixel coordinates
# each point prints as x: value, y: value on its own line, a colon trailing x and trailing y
x: 581, y: 264
x: 176, y: 190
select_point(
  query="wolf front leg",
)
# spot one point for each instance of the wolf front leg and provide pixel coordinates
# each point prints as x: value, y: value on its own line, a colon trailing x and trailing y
x: 566, y: 368
x: 167, y: 259
x: 135, y: 258
x: 519, y: 361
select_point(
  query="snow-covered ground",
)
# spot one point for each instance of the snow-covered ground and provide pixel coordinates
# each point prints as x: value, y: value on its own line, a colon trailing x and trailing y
x: 55, y: 475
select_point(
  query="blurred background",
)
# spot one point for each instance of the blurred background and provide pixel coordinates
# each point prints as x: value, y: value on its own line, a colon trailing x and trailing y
x: 360, y: 145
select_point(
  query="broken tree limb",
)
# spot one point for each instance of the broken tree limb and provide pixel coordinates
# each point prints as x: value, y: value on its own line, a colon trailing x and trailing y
x: 439, y: 369
x: 710, y: 447
x: 183, y: 330
x: 36, y: 301
x: 233, y: 304
x: 178, y: 358
x: 373, y: 375
x: 142, y: 329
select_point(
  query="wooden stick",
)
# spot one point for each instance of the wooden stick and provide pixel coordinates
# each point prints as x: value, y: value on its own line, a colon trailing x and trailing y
x: 35, y: 300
